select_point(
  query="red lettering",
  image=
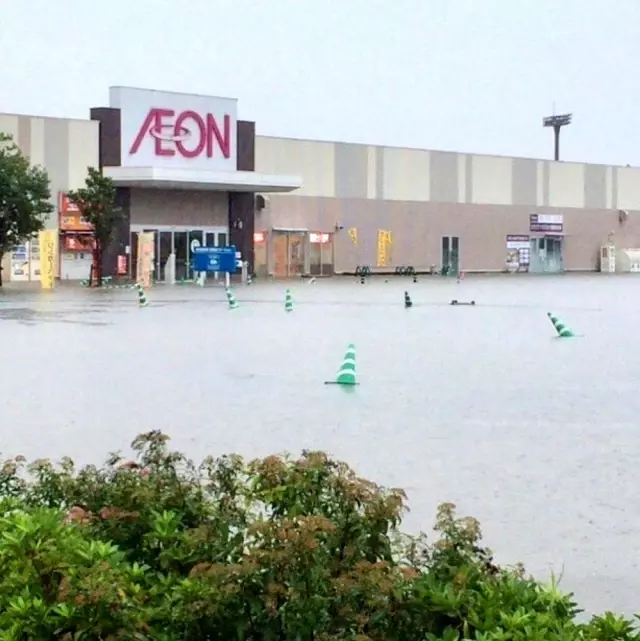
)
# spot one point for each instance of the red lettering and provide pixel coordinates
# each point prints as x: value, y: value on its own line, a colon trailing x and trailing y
x: 202, y: 139
x: 188, y: 134
x: 224, y: 142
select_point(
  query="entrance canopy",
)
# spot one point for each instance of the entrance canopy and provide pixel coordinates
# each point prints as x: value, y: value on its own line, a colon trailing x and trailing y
x: 204, y: 180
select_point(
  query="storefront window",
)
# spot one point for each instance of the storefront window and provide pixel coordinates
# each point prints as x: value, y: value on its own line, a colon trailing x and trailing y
x: 320, y: 254
x: 260, y: 254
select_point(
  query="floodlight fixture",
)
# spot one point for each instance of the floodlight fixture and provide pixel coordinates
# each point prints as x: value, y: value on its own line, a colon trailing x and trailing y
x: 557, y: 122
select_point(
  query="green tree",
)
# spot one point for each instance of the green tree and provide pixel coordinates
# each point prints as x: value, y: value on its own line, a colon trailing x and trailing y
x: 97, y: 202
x: 25, y: 197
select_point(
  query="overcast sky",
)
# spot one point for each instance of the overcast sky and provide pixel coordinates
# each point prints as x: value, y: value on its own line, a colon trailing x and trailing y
x: 464, y: 75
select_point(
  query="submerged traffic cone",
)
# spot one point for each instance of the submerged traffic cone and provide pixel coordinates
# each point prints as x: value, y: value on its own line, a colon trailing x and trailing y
x: 288, y: 301
x: 233, y: 303
x: 347, y: 374
x: 142, y: 299
x: 407, y: 300
x: 560, y: 327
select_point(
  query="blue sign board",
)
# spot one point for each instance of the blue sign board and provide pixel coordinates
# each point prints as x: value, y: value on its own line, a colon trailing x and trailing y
x: 215, y: 259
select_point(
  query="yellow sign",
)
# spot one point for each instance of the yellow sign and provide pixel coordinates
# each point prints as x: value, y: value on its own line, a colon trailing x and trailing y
x: 145, y: 258
x: 353, y: 234
x: 384, y: 248
x: 48, y: 258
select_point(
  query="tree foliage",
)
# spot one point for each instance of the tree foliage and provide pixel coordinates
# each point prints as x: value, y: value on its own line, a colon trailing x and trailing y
x: 97, y: 202
x: 275, y: 549
x: 25, y: 197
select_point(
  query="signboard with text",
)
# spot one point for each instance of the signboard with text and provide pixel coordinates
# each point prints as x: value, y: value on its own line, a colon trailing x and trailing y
x: 175, y: 130
x: 215, y: 259
x: 546, y: 223
x: 70, y: 218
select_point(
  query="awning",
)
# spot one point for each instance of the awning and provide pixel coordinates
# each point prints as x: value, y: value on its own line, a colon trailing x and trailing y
x: 164, y: 178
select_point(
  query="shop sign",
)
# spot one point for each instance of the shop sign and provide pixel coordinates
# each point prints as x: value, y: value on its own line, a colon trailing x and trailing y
x: 546, y: 223
x: 518, y: 252
x: 70, y: 217
x: 84, y: 243
x: 48, y: 246
x: 319, y: 239
x: 172, y: 130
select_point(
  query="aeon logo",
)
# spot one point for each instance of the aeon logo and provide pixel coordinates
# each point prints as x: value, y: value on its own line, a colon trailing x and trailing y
x: 186, y: 133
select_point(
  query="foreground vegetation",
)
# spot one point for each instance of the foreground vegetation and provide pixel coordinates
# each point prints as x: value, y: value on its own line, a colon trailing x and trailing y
x: 273, y: 549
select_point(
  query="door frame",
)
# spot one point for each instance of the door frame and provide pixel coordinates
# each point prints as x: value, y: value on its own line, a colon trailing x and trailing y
x: 203, y: 229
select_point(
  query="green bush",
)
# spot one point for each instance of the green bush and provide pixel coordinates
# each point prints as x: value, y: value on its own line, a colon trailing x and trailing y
x: 277, y: 549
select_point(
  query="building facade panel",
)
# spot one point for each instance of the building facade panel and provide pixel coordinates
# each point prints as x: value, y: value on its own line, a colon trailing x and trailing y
x: 372, y: 172
x: 627, y: 187
x: 524, y: 181
x: 566, y: 184
x: 595, y: 186
x: 406, y: 174
x: 36, y: 141
x: 443, y: 177
x: 492, y: 178
x: 313, y: 160
x: 84, y: 150
x: 351, y: 166
x: 9, y: 125
x: 179, y: 207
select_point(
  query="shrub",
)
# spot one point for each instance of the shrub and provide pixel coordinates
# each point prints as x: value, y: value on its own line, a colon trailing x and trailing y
x: 273, y: 549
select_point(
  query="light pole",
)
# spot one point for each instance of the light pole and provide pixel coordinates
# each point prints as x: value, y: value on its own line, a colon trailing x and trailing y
x: 557, y: 122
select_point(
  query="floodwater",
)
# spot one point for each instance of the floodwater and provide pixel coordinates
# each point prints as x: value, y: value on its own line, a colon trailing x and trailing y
x: 536, y: 436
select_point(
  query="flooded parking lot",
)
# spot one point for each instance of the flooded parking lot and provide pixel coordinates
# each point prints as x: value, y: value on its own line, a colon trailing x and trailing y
x: 536, y: 436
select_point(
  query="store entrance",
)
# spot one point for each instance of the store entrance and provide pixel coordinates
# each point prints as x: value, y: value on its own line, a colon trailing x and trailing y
x: 290, y: 253
x: 181, y: 241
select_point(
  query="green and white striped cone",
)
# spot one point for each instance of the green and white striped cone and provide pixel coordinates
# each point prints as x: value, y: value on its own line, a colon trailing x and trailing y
x: 407, y: 300
x: 233, y: 303
x: 347, y: 374
x: 560, y: 327
x: 288, y: 301
x: 142, y: 299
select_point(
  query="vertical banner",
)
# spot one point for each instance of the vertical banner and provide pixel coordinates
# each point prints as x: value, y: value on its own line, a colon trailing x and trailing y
x: 353, y: 234
x: 48, y: 255
x: 146, y: 256
x: 385, y: 241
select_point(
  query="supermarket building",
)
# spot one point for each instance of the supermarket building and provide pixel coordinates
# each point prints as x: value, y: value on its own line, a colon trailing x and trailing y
x: 189, y: 170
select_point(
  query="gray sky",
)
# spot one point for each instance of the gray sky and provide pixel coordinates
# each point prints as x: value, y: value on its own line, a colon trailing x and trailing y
x: 464, y: 75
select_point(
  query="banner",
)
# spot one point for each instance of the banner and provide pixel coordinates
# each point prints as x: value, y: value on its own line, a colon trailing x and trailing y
x: 146, y: 257
x: 384, y: 248
x: 48, y: 258
x: 353, y: 234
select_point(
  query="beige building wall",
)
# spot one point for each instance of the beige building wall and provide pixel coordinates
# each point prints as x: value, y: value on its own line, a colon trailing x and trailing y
x: 422, y: 195
x: 64, y: 146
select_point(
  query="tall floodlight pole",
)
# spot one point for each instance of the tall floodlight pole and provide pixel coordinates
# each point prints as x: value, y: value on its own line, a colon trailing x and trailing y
x: 557, y: 122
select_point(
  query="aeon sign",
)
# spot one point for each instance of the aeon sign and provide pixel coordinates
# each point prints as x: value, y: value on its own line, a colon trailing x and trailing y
x: 181, y: 131
x: 187, y: 133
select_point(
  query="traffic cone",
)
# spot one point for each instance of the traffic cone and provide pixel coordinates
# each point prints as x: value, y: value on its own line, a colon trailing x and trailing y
x: 142, y: 299
x: 407, y: 300
x: 288, y: 301
x: 415, y: 278
x: 233, y: 303
x: 362, y: 280
x: 347, y: 374
x: 560, y: 327
x: 200, y: 279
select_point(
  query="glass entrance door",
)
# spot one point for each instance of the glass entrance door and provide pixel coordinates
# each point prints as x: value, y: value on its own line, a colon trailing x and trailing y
x: 165, y: 247
x: 450, y: 255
